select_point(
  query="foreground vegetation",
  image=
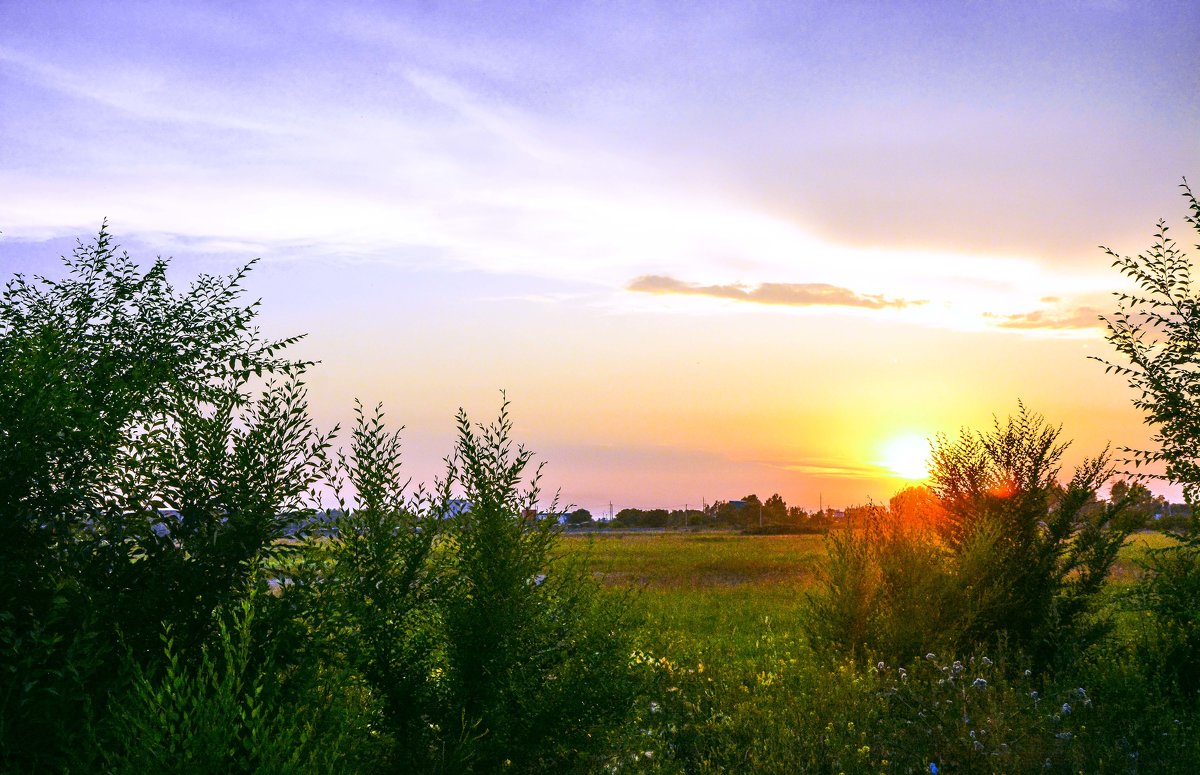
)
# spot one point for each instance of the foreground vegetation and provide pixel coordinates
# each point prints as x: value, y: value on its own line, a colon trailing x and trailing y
x: 741, y: 688
x: 178, y: 595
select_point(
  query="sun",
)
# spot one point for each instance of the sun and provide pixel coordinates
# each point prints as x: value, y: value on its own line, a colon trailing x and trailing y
x: 906, y: 456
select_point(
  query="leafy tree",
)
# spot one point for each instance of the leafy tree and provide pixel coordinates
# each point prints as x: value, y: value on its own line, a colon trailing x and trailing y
x: 480, y: 649
x: 143, y: 464
x: 154, y: 451
x: 1156, y: 333
x: 371, y: 588
x: 1139, y: 499
x: 1036, y: 552
x: 642, y: 517
x: 917, y: 508
x: 579, y: 517
x: 775, y: 510
x: 539, y: 657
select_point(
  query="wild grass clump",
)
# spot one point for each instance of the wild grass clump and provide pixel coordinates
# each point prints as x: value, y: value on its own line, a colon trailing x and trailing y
x: 236, y: 705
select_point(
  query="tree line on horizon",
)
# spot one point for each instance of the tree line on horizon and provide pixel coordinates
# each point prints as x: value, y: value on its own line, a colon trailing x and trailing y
x: 752, y: 515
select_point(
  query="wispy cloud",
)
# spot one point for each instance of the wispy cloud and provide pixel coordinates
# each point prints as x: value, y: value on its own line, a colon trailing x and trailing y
x: 142, y: 93
x: 1071, y: 319
x: 784, y: 294
x: 835, y: 469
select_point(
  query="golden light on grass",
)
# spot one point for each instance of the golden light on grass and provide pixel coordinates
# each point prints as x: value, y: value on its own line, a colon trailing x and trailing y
x: 906, y: 456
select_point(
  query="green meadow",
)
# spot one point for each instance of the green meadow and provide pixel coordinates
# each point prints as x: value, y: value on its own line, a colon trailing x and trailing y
x: 711, y: 594
x: 738, y: 686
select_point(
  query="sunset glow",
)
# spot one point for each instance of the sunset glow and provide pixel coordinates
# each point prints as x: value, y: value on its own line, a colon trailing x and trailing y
x: 907, y: 457
x: 706, y: 249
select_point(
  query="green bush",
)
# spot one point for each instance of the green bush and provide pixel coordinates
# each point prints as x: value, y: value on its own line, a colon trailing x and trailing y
x: 484, y: 651
x: 369, y: 592
x: 1154, y: 332
x: 537, y: 656
x: 1014, y: 555
x: 124, y: 403
x: 155, y: 454
x: 231, y: 707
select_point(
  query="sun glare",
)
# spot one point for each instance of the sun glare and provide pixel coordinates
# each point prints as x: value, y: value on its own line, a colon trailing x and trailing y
x: 906, y: 456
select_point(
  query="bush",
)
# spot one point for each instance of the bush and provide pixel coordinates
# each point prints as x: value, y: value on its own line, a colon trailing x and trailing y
x: 370, y: 592
x: 484, y: 651
x: 539, y: 656
x: 156, y: 455
x: 1012, y: 554
x: 232, y: 707
x: 143, y: 463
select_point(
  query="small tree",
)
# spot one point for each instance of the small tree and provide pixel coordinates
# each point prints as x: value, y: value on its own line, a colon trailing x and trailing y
x: 1031, y: 552
x: 539, y: 656
x: 482, y: 649
x: 579, y: 517
x: 373, y: 588
x: 775, y: 510
x: 1156, y: 334
x: 1005, y: 551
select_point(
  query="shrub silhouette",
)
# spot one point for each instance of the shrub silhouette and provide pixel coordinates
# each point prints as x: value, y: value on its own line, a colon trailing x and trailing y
x: 1014, y: 554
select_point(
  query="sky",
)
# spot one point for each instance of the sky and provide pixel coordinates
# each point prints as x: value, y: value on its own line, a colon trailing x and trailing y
x: 705, y: 249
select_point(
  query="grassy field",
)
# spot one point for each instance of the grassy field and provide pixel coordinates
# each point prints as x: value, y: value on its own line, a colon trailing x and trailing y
x: 716, y: 588
x: 716, y: 559
x: 712, y: 596
x: 739, y: 689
